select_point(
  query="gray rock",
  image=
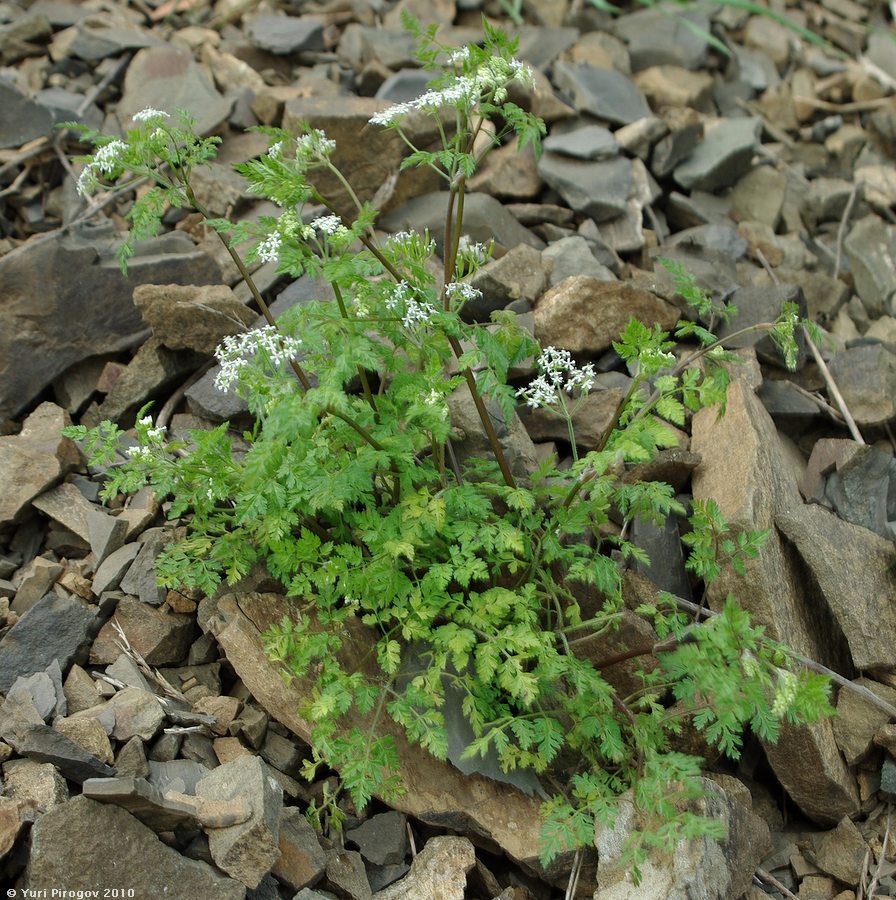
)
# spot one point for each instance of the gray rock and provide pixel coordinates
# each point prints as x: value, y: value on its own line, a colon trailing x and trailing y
x: 573, y: 256
x: 181, y: 775
x: 246, y: 851
x: 286, y: 34
x: 97, y: 38
x: 114, y: 567
x: 66, y: 505
x: 39, y: 689
x: 598, y: 189
x: 382, y: 839
x: 888, y: 779
x: 539, y: 46
x: 857, y: 720
x: 56, y: 279
x: 80, y: 691
x: 593, y: 415
x: 663, y: 546
x: 404, y: 85
x: 518, y: 275
x: 55, y: 628
x: 82, y: 844
x: 346, y: 874
x: 131, y: 760
x: 665, y: 35
x: 603, y: 93
x: 23, y: 118
x: 302, y: 861
x: 87, y: 733
x: 161, y: 636
x: 866, y: 377
x: 589, y: 142
x: 787, y: 404
x: 824, y: 201
x: 105, y: 533
x: 759, y: 195
x: 439, y: 870
x: 138, y: 713
x: 870, y: 248
x: 863, y: 491
x: 33, y: 581
x: 141, y: 579
x: 485, y: 219
x: 142, y: 801
x: 723, y: 156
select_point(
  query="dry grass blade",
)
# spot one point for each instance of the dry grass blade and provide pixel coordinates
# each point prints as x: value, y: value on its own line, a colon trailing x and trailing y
x: 875, y: 881
x: 153, y: 674
x: 770, y: 879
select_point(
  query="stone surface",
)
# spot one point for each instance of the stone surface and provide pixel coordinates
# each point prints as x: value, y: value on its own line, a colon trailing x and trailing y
x: 55, y: 280
x: 87, y: 733
x: 870, y: 248
x: 66, y: 505
x: 160, y: 636
x: 862, y: 489
x: 44, y: 744
x: 55, y: 628
x: 866, y: 377
x: 346, y: 874
x: 589, y: 142
x: 41, y: 783
x: 82, y: 844
x: 573, y: 256
x: 137, y: 713
x: 715, y: 870
x: 114, y: 567
x: 518, y: 275
x: 247, y: 850
x: 841, y: 852
x: 382, y: 839
x: 593, y: 414
x: 602, y: 93
x: 584, y: 314
x: 286, y: 34
x: 34, y: 459
x: 674, y: 86
x: 192, y: 317
x: 722, y: 157
x: 597, y: 189
x: 858, y: 720
x: 439, y: 872
x: 508, y: 173
x: 141, y: 800
x: 302, y: 861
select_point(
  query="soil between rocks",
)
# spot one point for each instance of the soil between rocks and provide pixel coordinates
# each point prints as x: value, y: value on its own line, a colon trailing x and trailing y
x: 768, y: 172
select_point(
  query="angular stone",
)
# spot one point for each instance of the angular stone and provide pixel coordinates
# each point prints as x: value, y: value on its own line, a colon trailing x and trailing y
x: 590, y: 142
x: 723, y: 156
x: 23, y: 118
x: 573, y: 256
x: 759, y: 195
x: 180, y: 775
x: 33, y: 582
x: 41, y: 783
x: 38, y: 689
x: 656, y: 37
x: 162, y: 637
x: 518, y: 275
x: 286, y: 34
x: 55, y: 628
x: 697, y: 868
x: 508, y: 173
x: 192, y: 317
x: 347, y: 875
x: 302, y: 861
x: 55, y: 279
x: 870, y: 248
x: 114, y: 567
x: 593, y: 415
x: 603, y: 93
x: 87, y: 733
x: 80, y: 690
x: 168, y: 78
x: 584, y: 314
x: 66, y: 505
x: 97, y: 38
x: 141, y: 579
x: 246, y: 851
x: 44, y: 744
x: 841, y: 852
x: 857, y: 720
x: 142, y: 801
x: 83, y: 843
x: 131, y: 760
x: 674, y: 86
x: 105, y: 533
x: 382, y: 839
x: 438, y: 870
x: 137, y: 713
x: 34, y: 459
x: 866, y: 377
x: 862, y: 489
x: 597, y: 189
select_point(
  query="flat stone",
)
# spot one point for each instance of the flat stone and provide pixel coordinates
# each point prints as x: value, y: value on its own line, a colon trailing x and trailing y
x: 438, y: 870
x: 593, y: 415
x: 55, y: 628
x: 66, y: 505
x: 674, y: 86
x: 603, y: 93
x: 141, y: 578
x: 24, y: 119
x: 857, y: 720
x: 584, y: 314
x: 181, y: 775
x: 162, y: 637
x: 141, y: 800
x: 192, y: 317
x: 518, y: 275
x: 382, y: 839
x: 34, y: 459
x: 55, y: 279
x: 866, y: 377
x: 590, y: 142
x: 248, y: 850
x: 110, y: 573
x: 105, y: 533
x: 96, y: 38
x: 302, y: 861
x: 34, y: 581
x: 723, y: 156
x: 508, y: 173
x: 80, y: 690
x: 573, y: 256
x: 759, y: 195
x: 597, y: 189
x: 38, y: 689
x: 284, y: 35
x: 83, y: 843
x: 870, y: 248
x: 665, y: 35
x: 841, y: 852
x: 44, y: 744
x: 137, y: 713
x: 862, y: 490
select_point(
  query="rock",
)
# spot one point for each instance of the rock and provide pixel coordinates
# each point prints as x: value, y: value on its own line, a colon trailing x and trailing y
x: 857, y: 720
x: 105, y: 533
x: 23, y: 118
x: 674, y: 86
x: 723, y: 156
x: 485, y: 219
x: 87, y: 733
x: 655, y: 38
x: 167, y: 78
x: 160, y: 636
x: 37, y: 689
x: 55, y: 279
x: 870, y: 248
x: 280, y: 752
x: 82, y: 844
x: 825, y: 201
x: 439, y: 872
x: 44, y: 744
x: 382, y: 839
x: 518, y: 275
x: 593, y: 415
x: 284, y: 35
x: 347, y: 876
x: 247, y: 850
x: 224, y: 710
x: 603, y: 93
x: 55, y: 628
x: 25, y: 779
x: 435, y: 791
x: 590, y: 142
x: 13, y: 816
x: 583, y: 314
x: 302, y: 862
x: 597, y: 189
x: 192, y: 317
x: 759, y: 196
x: 141, y: 578
x: 125, y: 670
x: 109, y: 574
x: 66, y: 505
x: 137, y: 713
x: 508, y: 173
x: 573, y: 256
x: 862, y: 489
x: 180, y: 775
x: 866, y: 377
x: 841, y: 852
x: 34, y: 459
x: 715, y: 870
x: 80, y: 690
x: 34, y: 581
x: 141, y: 800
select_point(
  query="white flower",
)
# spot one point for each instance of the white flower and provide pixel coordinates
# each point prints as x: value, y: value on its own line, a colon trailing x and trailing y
x: 388, y: 116
x: 146, y: 420
x: 143, y: 454
x: 433, y: 398
x: 522, y: 72
x: 87, y: 181
x: 148, y: 114
x: 275, y: 151
x: 314, y: 145
x: 157, y: 435
x: 460, y: 290
x: 416, y: 313
x: 107, y: 157
x: 327, y: 224
x: 232, y: 352
x: 559, y: 372
x: 269, y: 248
x: 459, y: 57
x: 398, y: 293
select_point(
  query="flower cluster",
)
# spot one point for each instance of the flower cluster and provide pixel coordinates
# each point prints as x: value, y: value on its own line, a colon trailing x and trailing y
x: 415, y: 312
x: 155, y: 434
x: 314, y: 145
x: 559, y: 372
x: 106, y: 161
x: 412, y: 244
x: 235, y: 350
x: 462, y: 292
x: 269, y: 248
x: 149, y: 115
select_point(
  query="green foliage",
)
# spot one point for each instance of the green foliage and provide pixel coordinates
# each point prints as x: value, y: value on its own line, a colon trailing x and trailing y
x: 462, y: 582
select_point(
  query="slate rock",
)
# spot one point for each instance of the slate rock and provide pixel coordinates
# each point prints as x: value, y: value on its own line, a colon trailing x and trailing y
x: 573, y: 256
x: 590, y: 142
x: 66, y: 505
x: 665, y: 34
x: 603, y: 93
x: 39, y: 689
x: 141, y: 579
x: 722, y: 157
x: 55, y: 628
x: 105, y: 533
x: 284, y: 35
x: 404, y: 85
x: 787, y: 404
x: 382, y: 839
x: 80, y: 690
x: 23, y: 119
x: 593, y: 415
x: 759, y: 195
x: 438, y: 870
x: 192, y: 317
x: 302, y: 861
x: 56, y: 279
x: 248, y: 850
x: 518, y: 275
x: 862, y: 490
x: 34, y: 581
x: 597, y: 189
x: 168, y: 78
x: 114, y: 567
x: 83, y: 843
x: 674, y: 86
x: 584, y: 314
x: 162, y: 637
x: 866, y: 377
x: 181, y: 775
x: 870, y: 248
x: 346, y: 874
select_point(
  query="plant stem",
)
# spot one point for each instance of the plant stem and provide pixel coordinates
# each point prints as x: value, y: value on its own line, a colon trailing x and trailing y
x: 365, y: 384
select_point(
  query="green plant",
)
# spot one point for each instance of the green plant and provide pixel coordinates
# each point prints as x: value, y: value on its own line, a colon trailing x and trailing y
x: 468, y: 577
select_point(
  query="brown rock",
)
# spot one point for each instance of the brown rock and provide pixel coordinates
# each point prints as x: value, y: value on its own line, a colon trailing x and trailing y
x: 675, y: 86
x: 593, y: 415
x: 87, y: 733
x: 13, y: 815
x: 66, y: 505
x: 80, y: 690
x: 302, y: 861
x: 841, y: 852
x: 224, y: 709
x: 508, y: 174
x: 160, y: 636
x: 41, y: 783
x: 137, y: 713
x: 858, y: 721
x: 438, y: 872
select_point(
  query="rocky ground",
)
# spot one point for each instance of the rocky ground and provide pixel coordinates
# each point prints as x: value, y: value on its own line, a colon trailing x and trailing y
x: 146, y: 742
